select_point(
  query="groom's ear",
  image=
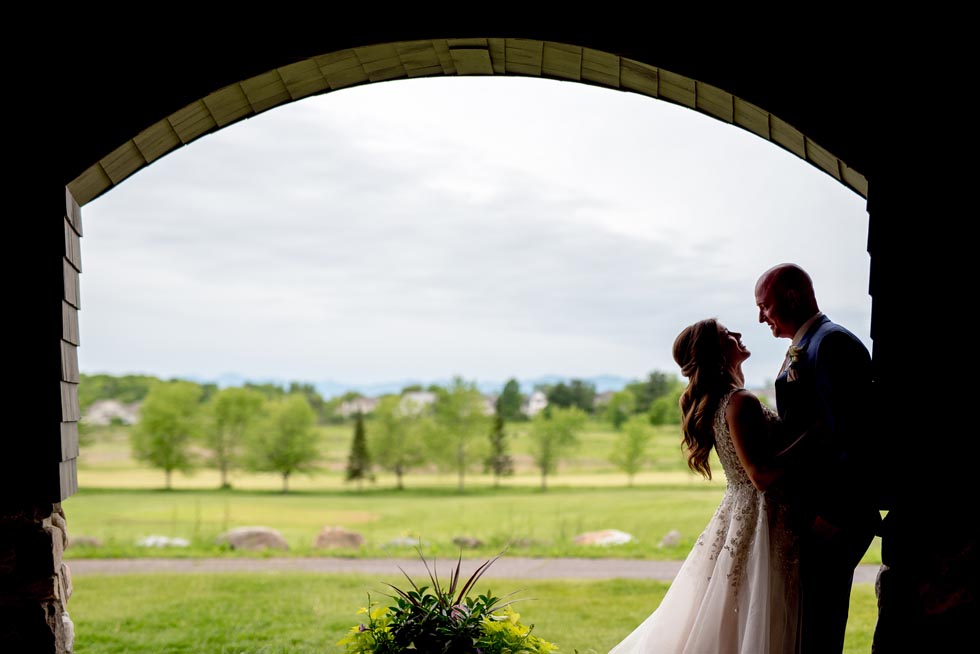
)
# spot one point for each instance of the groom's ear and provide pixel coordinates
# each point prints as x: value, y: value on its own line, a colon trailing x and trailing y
x: 792, y: 299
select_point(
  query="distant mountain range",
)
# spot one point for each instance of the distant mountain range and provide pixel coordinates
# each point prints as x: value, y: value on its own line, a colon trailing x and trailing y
x: 331, y: 388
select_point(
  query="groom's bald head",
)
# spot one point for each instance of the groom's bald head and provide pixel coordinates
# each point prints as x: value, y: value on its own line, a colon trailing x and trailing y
x: 785, y: 297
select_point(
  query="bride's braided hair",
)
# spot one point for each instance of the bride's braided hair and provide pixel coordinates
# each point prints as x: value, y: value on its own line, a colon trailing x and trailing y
x: 697, y: 350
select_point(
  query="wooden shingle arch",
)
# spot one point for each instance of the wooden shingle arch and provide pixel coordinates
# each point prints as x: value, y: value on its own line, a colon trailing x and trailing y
x: 446, y: 57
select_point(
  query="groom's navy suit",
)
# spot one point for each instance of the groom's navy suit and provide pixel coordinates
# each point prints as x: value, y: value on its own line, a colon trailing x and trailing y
x: 827, y: 392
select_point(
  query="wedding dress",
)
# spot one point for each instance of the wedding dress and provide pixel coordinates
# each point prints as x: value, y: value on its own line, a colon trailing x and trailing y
x: 738, y: 590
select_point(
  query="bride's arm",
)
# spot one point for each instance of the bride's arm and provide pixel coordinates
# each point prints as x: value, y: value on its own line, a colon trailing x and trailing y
x: 748, y: 427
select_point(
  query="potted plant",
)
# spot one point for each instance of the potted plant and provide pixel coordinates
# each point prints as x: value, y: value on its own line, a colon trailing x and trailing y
x: 437, y: 619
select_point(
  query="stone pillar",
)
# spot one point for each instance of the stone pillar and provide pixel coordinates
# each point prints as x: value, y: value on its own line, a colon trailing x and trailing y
x: 39, y: 442
x: 35, y: 583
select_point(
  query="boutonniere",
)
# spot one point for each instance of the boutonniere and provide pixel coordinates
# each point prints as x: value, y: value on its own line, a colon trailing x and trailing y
x: 795, y: 355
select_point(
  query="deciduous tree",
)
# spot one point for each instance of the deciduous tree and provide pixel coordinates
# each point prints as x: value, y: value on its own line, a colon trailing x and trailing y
x: 460, y: 422
x: 630, y: 449
x: 230, y: 413
x: 395, y: 437
x: 287, y: 442
x: 554, y: 432
x: 621, y: 406
x: 169, y: 422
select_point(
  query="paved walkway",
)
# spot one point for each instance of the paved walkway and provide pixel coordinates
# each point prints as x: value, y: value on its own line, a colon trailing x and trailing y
x: 506, y: 567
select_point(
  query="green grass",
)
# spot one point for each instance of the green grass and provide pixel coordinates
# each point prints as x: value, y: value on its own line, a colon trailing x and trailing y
x: 121, y: 502
x: 105, y: 462
x: 276, y: 613
x: 544, y: 522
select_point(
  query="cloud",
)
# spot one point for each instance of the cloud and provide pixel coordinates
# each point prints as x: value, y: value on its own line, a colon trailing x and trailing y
x: 479, y: 229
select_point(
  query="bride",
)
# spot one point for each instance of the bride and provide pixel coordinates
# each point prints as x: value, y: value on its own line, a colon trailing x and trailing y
x: 738, y: 590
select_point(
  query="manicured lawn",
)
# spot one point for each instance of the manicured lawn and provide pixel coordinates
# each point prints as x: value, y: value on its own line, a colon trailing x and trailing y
x: 524, y: 519
x: 279, y: 613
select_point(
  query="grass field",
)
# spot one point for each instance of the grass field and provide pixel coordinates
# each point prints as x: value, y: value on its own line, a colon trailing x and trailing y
x: 121, y: 501
x: 280, y: 613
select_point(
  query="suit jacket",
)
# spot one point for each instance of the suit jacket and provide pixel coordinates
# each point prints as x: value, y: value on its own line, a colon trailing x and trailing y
x: 827, y: 391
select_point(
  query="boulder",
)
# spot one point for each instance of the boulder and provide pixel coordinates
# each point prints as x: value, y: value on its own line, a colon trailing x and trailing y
x: 405, y: 541
x: 337, y: 538
x: 253, y: 538
x: 467, y: 542
x: 162, y: 541
x: 672, y: 539
x: 84, y: 541
x: 604, y: 537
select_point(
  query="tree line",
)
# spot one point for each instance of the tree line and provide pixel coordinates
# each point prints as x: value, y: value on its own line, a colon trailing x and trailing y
x: 266, y: 428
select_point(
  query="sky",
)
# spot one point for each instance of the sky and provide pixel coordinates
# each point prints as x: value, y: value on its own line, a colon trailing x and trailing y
x: 483, y: 227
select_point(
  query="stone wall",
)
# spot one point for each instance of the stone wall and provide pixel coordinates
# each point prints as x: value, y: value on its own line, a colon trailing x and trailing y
x: 35, y: 583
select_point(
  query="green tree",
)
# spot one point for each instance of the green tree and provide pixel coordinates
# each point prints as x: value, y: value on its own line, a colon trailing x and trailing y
x: 657, y: 384
x: 395, y: 437
x: 499, y: 461
x: 554, y: 432
x: 287, y: 441
x: 317, y: 403
x: 509, y: 402
x: 577, y: 393
x: 169, y: 423
x: 230, y: 413
x: 268, y: 391
x: 666, y: 409
x: 460, y: 420
x: 630, y: 449
x: 127, y: 388
x: 359, y: 460
x: 621, y: 406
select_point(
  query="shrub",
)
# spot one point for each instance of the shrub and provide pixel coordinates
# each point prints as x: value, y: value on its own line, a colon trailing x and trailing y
x: 443, y: 620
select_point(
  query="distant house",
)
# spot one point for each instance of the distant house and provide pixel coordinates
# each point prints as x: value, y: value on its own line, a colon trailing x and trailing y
x: 105, y: 412
x: 490, y: 405
x: 362, y: 405
x: 602, y: 399
x: 414, y: 402
x: 535, y: 403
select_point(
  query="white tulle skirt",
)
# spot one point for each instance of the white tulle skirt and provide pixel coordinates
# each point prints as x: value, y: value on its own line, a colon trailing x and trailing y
x: 736, y: 593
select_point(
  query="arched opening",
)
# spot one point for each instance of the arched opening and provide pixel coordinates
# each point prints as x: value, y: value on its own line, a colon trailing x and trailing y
x: 87, y: 191
x: 741, y: 300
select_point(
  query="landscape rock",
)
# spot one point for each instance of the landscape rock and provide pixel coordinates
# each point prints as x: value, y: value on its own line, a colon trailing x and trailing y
x: 672, y: 539
x: 604, y: 537
x: 84, y: 541
x: 337, y: 538
x: 163, y: 541
x: 253, y: 538
x: 467, y: 542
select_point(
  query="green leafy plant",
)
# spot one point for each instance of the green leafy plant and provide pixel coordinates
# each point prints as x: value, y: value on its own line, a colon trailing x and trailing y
x: 446, y: 619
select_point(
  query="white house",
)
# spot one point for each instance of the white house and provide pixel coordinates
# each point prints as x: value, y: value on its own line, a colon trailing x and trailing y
x: 102, y: 412
x: 363, y: 405
x: 413, y: 402
x: 535, y: 403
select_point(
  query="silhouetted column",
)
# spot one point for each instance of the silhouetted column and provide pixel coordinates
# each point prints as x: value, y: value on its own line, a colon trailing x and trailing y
x: 39, y: 446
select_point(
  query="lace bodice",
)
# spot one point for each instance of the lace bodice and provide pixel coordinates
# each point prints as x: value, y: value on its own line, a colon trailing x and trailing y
x: 730, y: 463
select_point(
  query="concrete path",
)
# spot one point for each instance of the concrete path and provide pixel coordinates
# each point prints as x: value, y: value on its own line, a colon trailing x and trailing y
x: 506, y: 567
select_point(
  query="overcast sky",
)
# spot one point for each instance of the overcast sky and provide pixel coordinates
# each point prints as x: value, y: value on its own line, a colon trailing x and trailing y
x: 482, y: 227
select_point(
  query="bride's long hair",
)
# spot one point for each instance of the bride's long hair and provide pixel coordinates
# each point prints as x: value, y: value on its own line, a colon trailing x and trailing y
x: 697, y: 350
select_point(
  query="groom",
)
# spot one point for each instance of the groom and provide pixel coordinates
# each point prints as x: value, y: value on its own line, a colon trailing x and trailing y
x: 824, y: 392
